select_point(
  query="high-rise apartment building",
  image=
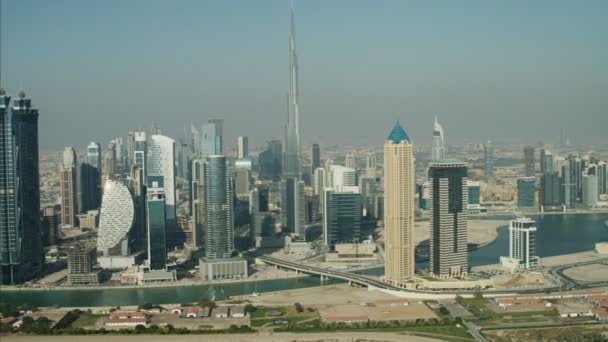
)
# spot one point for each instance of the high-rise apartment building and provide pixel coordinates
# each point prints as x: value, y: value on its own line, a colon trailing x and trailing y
x: 370, y: 165
x: 108, y: 167
x: 21, y: 256
x: 399, y: 191
x: 522, y: 243
x: 438, y: 149
x: 526, y: 192
x: 140, y: 153
x: 341, y: 177
x: 529, y: 162
x: 94, y: 155
x: 590, y: 190
x: 488, y: 159
x: 156, y: 223
x: 315, y: 155
x: 569, y: 181
x: 69, y: 204
x: 546, y: 161
x: 350, y: 161
x: 449, y: 219
x: 162, y: 163
x: 242, y: 147
x: 212, y: 138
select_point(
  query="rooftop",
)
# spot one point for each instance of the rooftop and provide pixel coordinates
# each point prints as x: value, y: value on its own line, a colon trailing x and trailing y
x: 397, y: 134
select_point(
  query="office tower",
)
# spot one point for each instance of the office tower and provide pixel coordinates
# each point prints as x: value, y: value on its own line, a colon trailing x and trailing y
x: 590, y: 190
x: 120, y: 151
x: 137, y: 184
x: 211, y: 138
x: 242, y: 147
x: 546, y: 161
x: 342, y: 219
x: 140, y: 152
x: 94, y: 155
x: 162, y: 163
x: 438, y: 150
x: 276, y: 150
x: 550, y: 190
x: 219, y: 212
x: 21, y: 255
x: 261, y: 220
x: 526, y: 188
x: 108, y: 168
x: 293, y: 207
x: 81, y: 259
x: 522, y: 242
x: 183, y: 159
x: 424, y: 195
x: 488, y: 157
x: 569, y: 176
x: 156, y: 223
x: 474, y: 191
x: 51, y: 217
x: 319, y: 186
x: 293, y: 157
x: 370, y: 165
x: 529, y: 162
x: 399, y: 190
x: 341, y: 177
x: 115, y: 241
x: 88, y: 189
x: 449, y: 220
x: 69, y: 205
x: 602, y: 177
x: 242, y: 182
x: 350, y: 161
x: 315, y: 154
x: 218, y: 193
x: 196, y: 201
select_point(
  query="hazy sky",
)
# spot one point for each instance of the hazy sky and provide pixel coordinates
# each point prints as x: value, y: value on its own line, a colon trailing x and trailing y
x: 506, y: 70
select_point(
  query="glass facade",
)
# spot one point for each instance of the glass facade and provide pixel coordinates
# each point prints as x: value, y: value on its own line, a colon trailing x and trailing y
x: 157, y: 223
x: 219, y: 216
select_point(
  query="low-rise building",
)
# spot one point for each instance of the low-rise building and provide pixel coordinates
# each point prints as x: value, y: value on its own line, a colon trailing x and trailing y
x: 127, y: 318
x: 221, y: 312
x: 237, y: 311
x: 511, y: 304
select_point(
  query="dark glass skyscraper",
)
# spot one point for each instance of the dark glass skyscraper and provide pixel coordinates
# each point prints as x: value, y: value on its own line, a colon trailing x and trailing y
x: 449, y: 219
x: 342, y: 219
x: 21, y: 255
x: 526, y: 187
x: 529, y: 162
x: 488, y: 158
x: 316, y: 158
x: 88, y: 194
x: 157, y: 223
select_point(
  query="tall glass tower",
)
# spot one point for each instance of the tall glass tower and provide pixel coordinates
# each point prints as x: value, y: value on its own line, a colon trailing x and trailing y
x: 21, y: 255
x: 218, y: 195
x: 438, y: 152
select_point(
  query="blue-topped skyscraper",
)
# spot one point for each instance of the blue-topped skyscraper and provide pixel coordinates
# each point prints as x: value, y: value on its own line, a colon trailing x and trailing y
x: 399, y: 205
x: 21, y: 256
x: 438, y: 152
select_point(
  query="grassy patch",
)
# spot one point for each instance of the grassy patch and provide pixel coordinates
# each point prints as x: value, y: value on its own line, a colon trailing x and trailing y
x: 289, y: 314
x: 260, y: 312
x: 86, y: 320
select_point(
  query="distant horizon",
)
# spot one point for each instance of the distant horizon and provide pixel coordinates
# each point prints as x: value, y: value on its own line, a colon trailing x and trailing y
x: 511, y: 73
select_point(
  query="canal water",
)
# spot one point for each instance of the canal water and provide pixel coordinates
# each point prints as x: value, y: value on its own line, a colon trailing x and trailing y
x: 557, y: 234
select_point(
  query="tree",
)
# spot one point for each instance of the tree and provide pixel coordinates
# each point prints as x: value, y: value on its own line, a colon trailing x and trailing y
x: 206, y: 302
x: 299, y: 307
x: 250, y: 308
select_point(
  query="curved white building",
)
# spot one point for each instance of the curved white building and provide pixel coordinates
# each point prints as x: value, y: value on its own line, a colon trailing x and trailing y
x: 116, y: 219
x: 161, y: 162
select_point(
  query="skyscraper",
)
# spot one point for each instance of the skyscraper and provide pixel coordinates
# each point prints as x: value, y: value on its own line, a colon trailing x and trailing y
x: 94, y: 155
x: 550, y: 190
x: 140, y: 152
x: 342, y: 218
x: 350, y: 161
x: 449, y: 219
x: 438, y: 151
x: 242, y: 147
x: 81, y: 259
x: 370, y: 165
x: 162, y: 163
x: 546, y: 161
x: 108, y: 168
x: 156, y: 223
x: 399, y: 190
x: 50, y: 224
x: 69, y: 205
x: 488, y: 158
x: 211, y: 138
x: 529, y: 162
x: 218, y: 195
x: 293, y: 207
x: 569, y: 181
x: 21, y: 255
x: 293, y: 152
x: 590, y: 189
x: 88, y: 189
x: 341, y: 177
x: 197, y: 200
x: 526, y: 188
x: 315, y: 158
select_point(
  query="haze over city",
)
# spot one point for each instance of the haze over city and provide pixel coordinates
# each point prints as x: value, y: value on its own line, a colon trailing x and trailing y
x: 514, y: 72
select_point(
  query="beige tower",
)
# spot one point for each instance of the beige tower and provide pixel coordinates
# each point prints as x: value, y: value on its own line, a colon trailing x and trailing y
x: 399, y: 191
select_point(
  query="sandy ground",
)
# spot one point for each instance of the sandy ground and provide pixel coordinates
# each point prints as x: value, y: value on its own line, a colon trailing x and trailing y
x: 571, y: 258
x: 480, y: 231
x: 259, y: 337
x: 325, y: 295
x: 595, y: 272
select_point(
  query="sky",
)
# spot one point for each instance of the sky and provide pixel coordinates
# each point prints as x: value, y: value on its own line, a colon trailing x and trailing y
x: 509, y: 71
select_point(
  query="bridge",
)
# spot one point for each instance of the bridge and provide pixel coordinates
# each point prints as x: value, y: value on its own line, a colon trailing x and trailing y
x: 351, y: 278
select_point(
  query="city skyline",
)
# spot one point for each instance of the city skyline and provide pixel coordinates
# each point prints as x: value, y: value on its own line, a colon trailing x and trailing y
x: 495, y: 79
